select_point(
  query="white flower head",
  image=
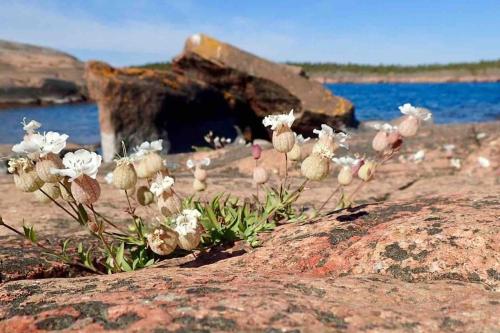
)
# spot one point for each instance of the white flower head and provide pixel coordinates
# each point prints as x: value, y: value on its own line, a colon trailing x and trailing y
x: 484, y: 162
x: 300, y: 139
x: 31, y: 126
x: 187, y: 222
x: 420, y: 113
x: 195, y: 163
x: 328, y: 132
x: 161, y: 184
x: 109, y: 178
x: 386, y: 127
x: 418, y: 156
x: 449, y: 148
x: 19, y: 163
x: 147, y: 147
x: 456, y: 163
x: 41, y: 144
x: 345, y: 161
x: 276, y: 121
x: 81, y: 162
x: 481, y: 135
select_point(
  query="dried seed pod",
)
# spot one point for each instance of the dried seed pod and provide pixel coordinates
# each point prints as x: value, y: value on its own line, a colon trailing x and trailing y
x: 283, y: 139
x: 27, y: 180
x: 162, y: 240
x: 65, y: 190
x: 144, y: 196
x: 260, y: 175
x: 169, y: 204
x: 409, y: 126
x: 200, y: 174
x: 124, y: 176
x: 199, y: 186
x: 367, y: 170
x: 295, y: 154
x: 46, y: 164
x: 50, y: 189
x: 190, y: 240
x: 85, y: 190
x: 315, y: 167
x: 380, y: 141
x: 345, y: 175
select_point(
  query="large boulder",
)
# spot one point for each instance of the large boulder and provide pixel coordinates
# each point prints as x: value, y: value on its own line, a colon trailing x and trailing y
x: 211, y: 86
x: 37, y: 75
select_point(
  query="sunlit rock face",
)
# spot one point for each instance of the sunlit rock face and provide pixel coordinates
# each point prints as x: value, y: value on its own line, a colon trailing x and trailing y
x: 211, y: 86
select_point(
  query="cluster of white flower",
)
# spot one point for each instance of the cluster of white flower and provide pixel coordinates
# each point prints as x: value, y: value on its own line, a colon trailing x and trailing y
x: 276, y: 121
x: 161, y: 185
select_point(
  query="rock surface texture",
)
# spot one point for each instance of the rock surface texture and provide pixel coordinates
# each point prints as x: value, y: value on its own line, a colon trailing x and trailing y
x: 212, y: 86
x: 37, y: 75
x: 420, y: 253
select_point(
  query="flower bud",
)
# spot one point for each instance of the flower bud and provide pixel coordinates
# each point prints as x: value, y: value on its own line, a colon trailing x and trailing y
x: 367, y: 170
x: 315, y: 167
x: 260, y: 175
x: 199, y: 186
x: 27, y: 180
x: 169, y: 204
x: 52, y: 190
x: 124, y: 176
x: 283, y: 139
x: 200, y: 174
x: 295, y: 154
x: 46, y: 164
x: 145, y: 196
x: 256, y: 151
x: 345, y: 175
x: 380, y: 141
x: 85, y: 190
x: 409, y: 126
x: 95, y: 227
x: 162, y: 240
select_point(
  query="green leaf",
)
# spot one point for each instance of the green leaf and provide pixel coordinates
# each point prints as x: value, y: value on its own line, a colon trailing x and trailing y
x: 29, y: 233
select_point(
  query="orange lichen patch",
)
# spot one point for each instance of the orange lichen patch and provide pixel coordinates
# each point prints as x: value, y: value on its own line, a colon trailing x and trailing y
x: 208, y: 47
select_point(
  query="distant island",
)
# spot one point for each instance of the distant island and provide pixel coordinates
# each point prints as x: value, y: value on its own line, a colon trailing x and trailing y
x: 482, y: 71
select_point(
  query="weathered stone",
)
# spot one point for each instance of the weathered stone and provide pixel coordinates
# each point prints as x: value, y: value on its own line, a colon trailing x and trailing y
x: 266, y: 86
x: 37, y: 75
x: 204, y: 93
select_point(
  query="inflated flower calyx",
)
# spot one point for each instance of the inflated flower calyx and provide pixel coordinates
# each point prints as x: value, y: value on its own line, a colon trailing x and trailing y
x: 50, y: 189
x: 46, y: 164
x: 199, y: 186
x: 345, y: 175
x: 162, y: 240
x: 85, y: 190
x: 124, y: 175
x: 200, y: 174
x: 65, y: 190
x: 149, y: 165
x: 169, y: 204
x: 411, y: 121
x: 283, y: 139
x: 256, y: 151
x: 380, y: 141
x: 188, y: 229
x: 367, y: 170
x: 315, y: 167
x: 144, y: 196
x: 25, y: 177
x: 295, y: 154
x: 260, y: 175
x: 409, y: 126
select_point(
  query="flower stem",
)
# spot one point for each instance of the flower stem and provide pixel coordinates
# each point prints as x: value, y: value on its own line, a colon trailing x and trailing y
x: 286, y: 170
x: 58, y: 204
x: 329, y: 198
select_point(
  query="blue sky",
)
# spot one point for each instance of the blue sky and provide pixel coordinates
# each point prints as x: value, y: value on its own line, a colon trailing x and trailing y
x: 124, y: 32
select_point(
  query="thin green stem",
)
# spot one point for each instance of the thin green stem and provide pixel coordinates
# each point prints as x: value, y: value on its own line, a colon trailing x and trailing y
x: 59, y: 205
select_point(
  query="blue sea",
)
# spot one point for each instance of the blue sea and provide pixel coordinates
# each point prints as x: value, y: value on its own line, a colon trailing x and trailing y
x: 449, y: 102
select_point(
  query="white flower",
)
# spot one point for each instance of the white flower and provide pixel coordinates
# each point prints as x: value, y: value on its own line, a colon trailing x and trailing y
x: 81, y: 162
x: 147, y: 147
x: 187, y: 222
x: 322, y: 150
x: 420, y: 113
x: 109, y: 178
x: 386, y: 127
x: 449, y: 148
x: 480, y: 136
x: 161, y: 185
x: 20, y: 163
x: 345, y: 161
x: 203, y: 162
x: 300, y: 139
x: 31, y: 126
x: 327, y: 132
x: 456, y: 163
x: 276, y: 121
x: 484, y: 162
x: 418, y: 156
x: 41, y: 144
